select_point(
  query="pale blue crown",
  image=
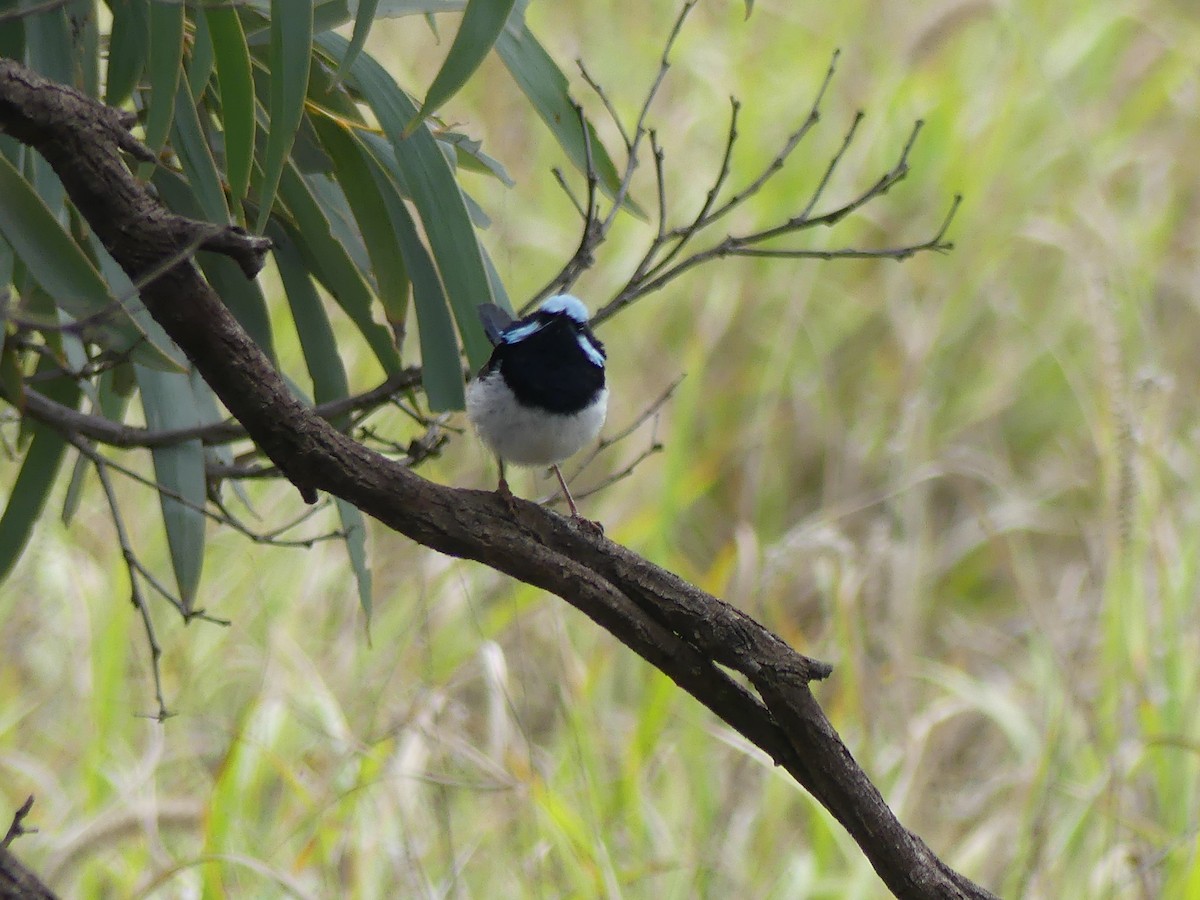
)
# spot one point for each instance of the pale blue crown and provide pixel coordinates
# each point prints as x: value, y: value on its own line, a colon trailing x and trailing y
x: 564, y: 304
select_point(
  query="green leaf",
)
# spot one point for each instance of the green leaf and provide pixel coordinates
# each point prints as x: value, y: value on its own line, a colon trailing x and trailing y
x: 166, y: 56
x: 202, y: 60
x: 12, y: 382
x: 469, y: 155
x: 113, y: 398
x: 160, y: 351
x: 329, y: 383
x: 38, y: 471
x: 332, y: 265
x: 48, y: 45
x: 291, y: 46
x: 168, y: 402
x: 355, y: 527
x: 371, y: 214
x: 85, y: 31
x: 128, y: 48
x: 242, y: 295
x: 363, y: 20
x: 540, y: 79
x: 232, y: 58
x: 481, y: 26
x: 424, y: 174
x: 64, y: 271
x: 441, y: 372
x: 317, y: 340
x: 391, y: 9
x: 191, y: 145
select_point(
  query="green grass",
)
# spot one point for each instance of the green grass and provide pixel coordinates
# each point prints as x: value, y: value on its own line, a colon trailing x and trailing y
x: 966, y: 480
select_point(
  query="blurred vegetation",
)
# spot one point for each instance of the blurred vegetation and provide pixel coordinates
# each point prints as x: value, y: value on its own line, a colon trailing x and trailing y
x: 966, y: 480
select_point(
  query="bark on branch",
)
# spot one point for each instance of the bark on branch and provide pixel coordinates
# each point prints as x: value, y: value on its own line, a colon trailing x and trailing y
x: 690, y: 635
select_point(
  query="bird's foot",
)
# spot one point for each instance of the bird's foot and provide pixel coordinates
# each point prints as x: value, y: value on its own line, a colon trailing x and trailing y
x: 507, y: 495
x: 589, y: 525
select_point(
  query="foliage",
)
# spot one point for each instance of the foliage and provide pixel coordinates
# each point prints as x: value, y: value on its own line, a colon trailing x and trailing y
x: 266, y: 117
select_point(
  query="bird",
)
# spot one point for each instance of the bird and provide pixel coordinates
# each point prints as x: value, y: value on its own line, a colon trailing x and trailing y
x: 542, y: 396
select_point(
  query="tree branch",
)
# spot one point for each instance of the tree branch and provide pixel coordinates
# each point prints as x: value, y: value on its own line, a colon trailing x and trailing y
x: 687, y: 633
x: 114, y: 434
x: 17, y: 882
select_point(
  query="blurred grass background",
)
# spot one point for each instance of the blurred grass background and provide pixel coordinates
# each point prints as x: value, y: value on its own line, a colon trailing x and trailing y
x: 966, y: 480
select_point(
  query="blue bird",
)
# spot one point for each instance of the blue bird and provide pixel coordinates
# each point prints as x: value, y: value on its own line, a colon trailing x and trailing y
x: 541, y: 397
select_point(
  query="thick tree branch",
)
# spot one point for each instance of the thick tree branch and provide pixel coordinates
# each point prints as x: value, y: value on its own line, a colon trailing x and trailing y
x: 690, y: 635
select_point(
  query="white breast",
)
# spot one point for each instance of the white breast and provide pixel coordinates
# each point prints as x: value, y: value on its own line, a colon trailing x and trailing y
x: 529, y: 437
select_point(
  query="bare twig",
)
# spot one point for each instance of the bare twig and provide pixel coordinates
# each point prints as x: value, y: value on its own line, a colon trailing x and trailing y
x: 651, y: 412
x: 135, y: 568
x: 608, y: 105
x: 596, y: 226
x: 665, y: 258
x: 116, y: 434
x: 17, y: 828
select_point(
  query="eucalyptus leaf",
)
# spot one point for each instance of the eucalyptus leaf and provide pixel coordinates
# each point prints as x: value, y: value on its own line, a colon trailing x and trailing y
x: 168, y: 402
x: 291, y: 45
x: 481, y: 25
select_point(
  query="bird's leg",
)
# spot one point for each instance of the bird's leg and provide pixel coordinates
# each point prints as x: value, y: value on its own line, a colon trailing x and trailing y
x: 566, y: 493
x: 504, y: 491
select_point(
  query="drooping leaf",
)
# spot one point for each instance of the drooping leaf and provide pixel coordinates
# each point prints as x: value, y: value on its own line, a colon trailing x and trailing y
x: 57, y: 263
x: 291, y: 45
x: 425, y: 175
x: 168, y: 357
x: 329, y: 261
x: 481, y: 25
x: 168, y: 402
x: 202, y: 59
x: 469, y: 155
x: 243, y: 296
x: 441, y: 372
x: 364, y: 17
x: 85, y: 35
x: 317, y: 341
x: 355, y: 527
x: 48, y: 45
x: 128, y: 48
x: 12, y: 382
x: 190, y: 144
x: 371, y: 214
x: 43, y: 457
x: 113, y: 398
x: 164, y: 69
x: 329, y: 383
x: 232, y: 59
x: 543, y: 83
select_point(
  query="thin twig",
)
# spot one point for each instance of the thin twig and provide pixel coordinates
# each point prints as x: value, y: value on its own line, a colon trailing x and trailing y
x: 17, y: 828
x: 116, y: 434
x: 650, y: 412
x: 639, y: 130
x: 595, y: 226
x: 661, y: 185
x: 135, y: 569
x: 562, y: 182
x: 608, y: 105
